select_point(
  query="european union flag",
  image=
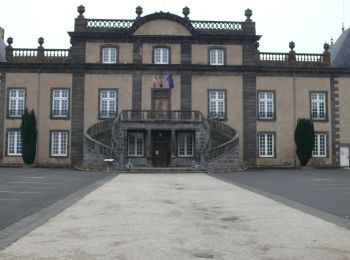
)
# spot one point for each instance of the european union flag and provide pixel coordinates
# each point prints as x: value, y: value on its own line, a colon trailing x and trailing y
x: 170, y: 81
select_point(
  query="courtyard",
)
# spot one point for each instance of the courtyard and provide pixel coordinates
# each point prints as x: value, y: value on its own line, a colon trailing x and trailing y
x: 185, y: 216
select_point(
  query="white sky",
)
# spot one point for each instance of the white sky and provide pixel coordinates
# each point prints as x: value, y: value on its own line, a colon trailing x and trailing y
x: 309, y: 23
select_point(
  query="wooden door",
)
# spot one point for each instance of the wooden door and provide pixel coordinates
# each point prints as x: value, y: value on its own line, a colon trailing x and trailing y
x: 161, y: 154
x: 161, y: 103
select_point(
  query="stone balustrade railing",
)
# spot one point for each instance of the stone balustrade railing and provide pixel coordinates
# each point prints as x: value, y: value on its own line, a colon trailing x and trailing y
x: 273, y: 56
x: 307, y: 57
x: 109, y: 23
x: 217, y: 25
x: 285, y: 57
x: 226, y: 147
x: 153, y: 115
x: 90, y: 138
x: 120, y: 24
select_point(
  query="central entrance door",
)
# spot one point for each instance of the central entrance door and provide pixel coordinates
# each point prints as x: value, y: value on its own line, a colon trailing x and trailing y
x: 161, y: 148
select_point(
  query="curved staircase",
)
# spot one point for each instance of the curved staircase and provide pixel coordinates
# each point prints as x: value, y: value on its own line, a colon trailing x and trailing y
x: 222, y: 154
x: 104, y: 140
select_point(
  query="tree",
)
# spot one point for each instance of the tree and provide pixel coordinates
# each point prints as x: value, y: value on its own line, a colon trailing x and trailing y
x: 29, y: 136
x: 304, y: 137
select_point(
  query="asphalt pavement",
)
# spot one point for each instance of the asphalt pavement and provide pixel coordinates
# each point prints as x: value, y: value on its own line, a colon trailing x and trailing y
x: 324, y: 193
x: 180, y: 216
x: 30, y: 196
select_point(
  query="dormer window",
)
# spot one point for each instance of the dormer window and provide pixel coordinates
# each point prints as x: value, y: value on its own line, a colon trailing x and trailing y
x: 216, y: 56
x: 161, y: 55
x: 109, y: 55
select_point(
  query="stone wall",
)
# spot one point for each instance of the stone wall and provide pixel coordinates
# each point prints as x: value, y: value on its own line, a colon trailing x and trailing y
x: 228, y: 162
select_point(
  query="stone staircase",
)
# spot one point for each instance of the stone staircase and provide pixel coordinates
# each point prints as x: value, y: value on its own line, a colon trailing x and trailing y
x: 222, y: 154
x: 103, y: 141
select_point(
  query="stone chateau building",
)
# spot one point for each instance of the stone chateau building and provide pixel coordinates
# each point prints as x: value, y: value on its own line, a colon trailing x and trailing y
x: 162, y: 90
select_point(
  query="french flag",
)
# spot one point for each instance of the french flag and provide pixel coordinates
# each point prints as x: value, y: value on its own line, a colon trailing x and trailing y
x: 155, y: 81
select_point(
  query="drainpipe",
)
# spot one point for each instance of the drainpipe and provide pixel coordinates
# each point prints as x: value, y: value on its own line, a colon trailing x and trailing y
x: 294, y: 118
x: 38, y: 116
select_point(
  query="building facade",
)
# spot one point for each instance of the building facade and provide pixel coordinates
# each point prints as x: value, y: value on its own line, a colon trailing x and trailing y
x: 162, y: 90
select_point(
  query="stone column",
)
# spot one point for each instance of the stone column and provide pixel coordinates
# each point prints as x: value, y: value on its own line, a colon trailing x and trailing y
x: 149, y: 147
x: 173, y: 148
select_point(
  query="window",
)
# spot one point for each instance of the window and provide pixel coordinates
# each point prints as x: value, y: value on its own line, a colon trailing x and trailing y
x: 16, y: 102
x: 185, y: 144
x: 318, y: 106
x: 267, y: 145
x: 136, y: 144
x: 320, y: 146
x: 216, y: 57
x: 109, y: 55
x: 14, y: 143
x: 60, y: 103
x: 161, y: 56
x: 59, y: 143
x: 217, y: 105
x: 266, y: 105
x: 108, y: 103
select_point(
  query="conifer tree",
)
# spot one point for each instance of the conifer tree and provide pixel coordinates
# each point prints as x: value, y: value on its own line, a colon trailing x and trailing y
x: 304, y: 137
x: 29, y: 136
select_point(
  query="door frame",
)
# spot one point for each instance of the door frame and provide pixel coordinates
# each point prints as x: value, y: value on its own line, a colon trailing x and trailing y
x: 160, y: 93
x: 346, y: 146
x: 166, y: 140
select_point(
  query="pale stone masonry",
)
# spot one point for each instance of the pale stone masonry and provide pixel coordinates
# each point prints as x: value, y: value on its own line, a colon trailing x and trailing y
x: 165, y: 80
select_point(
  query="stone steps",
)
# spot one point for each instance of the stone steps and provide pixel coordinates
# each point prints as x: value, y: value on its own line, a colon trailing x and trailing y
x: 157, y: 170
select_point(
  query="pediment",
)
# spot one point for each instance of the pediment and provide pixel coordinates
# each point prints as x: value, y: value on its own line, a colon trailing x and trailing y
x: 162, y: 27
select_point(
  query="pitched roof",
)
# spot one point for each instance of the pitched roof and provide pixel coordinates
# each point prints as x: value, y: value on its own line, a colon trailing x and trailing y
x: 340, y: 50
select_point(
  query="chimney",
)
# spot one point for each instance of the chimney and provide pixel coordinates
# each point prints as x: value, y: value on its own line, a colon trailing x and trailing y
x: 2, y: 33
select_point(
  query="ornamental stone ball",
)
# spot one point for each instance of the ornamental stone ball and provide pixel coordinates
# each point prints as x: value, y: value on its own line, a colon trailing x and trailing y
x: 9, y: 41
x: 139, y: 11
x: 41, y: 41
x: 248, y: 13
x: 326, y: 46
x: 292, y: 45
x: 81, y: 11
x: 186, y: 12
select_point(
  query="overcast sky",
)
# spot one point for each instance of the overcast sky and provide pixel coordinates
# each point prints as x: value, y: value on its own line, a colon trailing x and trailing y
x: 309, y: 23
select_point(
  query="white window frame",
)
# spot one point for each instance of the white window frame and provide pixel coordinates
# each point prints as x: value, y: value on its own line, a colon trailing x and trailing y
x: 60, y: 103
x: 16, y: 102
x: 109, y: 55
x: 319, y: 105
x: 185, y: 144
x: 136, y: 144
x: 14, y: 143
x: 217, y: 104
x: 266, y: 145
x: 216, y: 57
x: 266, y: 104
x: 108, y: 103
x: 320, y: 147
x: 161, y: 55
x: 59, y: 144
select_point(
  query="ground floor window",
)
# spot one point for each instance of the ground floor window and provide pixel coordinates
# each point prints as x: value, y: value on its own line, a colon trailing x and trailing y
x: 320, y: 146
x: 185, y: 144
x: 266, y: 145
x: 59, y: 144
x: 136, y: 142
x: 14, y: 143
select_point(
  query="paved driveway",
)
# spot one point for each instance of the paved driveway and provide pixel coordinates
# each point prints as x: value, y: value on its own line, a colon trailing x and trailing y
x: 180, y: 216
x: 322, y: 192
x: 30, y: 196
